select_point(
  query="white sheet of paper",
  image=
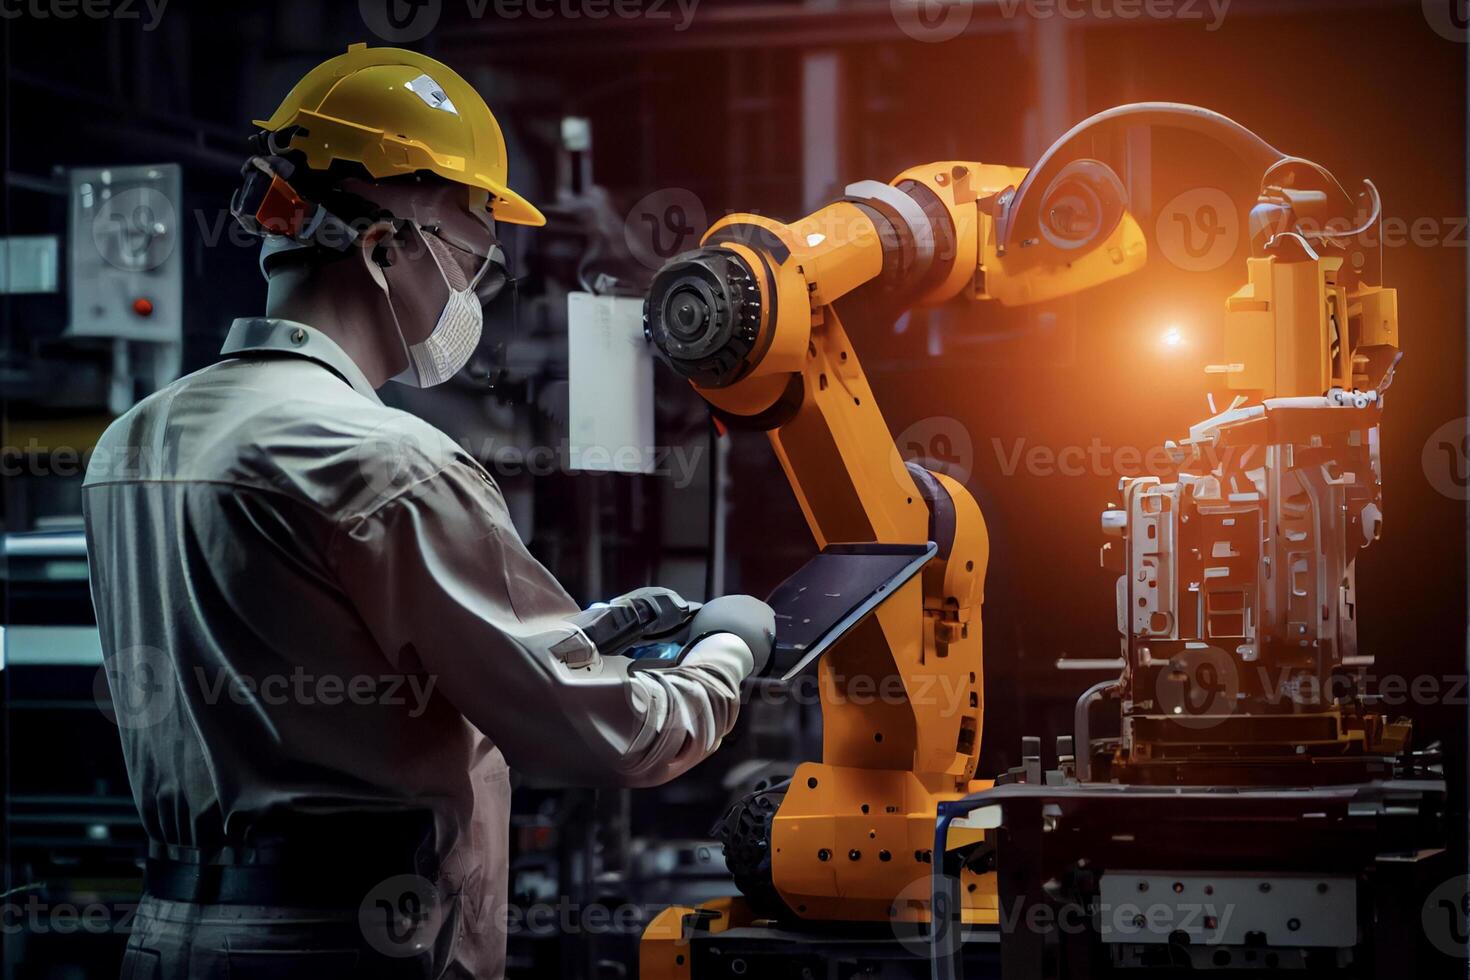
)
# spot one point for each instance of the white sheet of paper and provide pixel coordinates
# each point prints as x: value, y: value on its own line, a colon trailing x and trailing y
x: 610, y: 367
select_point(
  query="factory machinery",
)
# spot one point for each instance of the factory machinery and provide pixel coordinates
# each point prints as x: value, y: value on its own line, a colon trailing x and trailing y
x: 1256, y: 810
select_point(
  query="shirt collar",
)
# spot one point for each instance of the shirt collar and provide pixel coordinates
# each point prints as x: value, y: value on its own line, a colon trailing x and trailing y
x: 268, y: 334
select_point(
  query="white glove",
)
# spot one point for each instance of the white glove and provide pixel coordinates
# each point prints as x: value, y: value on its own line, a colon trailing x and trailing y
x: 689, y: 709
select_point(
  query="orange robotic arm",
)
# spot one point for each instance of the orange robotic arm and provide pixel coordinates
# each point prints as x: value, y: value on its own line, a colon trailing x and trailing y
x: 749, y: 319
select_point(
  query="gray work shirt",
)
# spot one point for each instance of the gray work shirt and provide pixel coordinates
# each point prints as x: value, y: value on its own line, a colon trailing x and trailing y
x: 313, y: 605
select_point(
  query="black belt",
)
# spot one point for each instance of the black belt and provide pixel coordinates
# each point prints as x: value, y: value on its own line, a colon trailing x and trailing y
x: 308, y: 884
x: 312, y: 863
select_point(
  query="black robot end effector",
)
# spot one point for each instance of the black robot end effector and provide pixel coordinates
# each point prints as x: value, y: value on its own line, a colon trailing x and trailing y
x: 703, y: 316
x: 644, y: 614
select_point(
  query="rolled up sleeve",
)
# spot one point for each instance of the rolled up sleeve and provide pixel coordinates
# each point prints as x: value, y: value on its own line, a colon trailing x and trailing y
x: 444, y: 584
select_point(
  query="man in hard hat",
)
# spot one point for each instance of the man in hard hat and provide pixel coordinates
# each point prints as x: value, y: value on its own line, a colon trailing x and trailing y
x: 321, y: 629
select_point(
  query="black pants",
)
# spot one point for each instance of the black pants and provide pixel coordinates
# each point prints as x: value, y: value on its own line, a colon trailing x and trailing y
x: 188, y: 941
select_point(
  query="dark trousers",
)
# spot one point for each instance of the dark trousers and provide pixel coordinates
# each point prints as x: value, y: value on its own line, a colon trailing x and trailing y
x: 189, y: 941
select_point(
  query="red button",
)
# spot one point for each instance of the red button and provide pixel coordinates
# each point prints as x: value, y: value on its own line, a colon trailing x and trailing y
x: 143, y: 306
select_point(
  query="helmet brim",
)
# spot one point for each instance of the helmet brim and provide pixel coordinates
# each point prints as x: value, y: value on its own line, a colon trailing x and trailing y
x: 508, y: 206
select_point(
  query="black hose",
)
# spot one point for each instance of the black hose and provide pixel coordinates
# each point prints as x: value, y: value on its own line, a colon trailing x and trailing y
x: 1252, y: 148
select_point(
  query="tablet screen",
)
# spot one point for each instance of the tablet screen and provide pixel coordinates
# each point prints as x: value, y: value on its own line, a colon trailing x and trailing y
x: 832, y: 593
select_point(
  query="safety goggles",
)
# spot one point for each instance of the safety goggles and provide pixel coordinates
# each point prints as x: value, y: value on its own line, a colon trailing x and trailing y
x: 484, y: 263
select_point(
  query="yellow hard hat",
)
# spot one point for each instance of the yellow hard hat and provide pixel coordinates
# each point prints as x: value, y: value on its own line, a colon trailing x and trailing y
x: 397, y: 112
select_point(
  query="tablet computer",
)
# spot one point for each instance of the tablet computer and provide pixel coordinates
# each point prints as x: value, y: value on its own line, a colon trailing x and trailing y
x: 832, y: 593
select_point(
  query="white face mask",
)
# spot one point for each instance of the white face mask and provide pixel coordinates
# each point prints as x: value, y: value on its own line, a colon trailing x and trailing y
x: 449, y: 346
x: 452, y: 343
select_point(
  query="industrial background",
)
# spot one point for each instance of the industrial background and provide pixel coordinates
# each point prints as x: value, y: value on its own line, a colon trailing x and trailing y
x: 633, y: 131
